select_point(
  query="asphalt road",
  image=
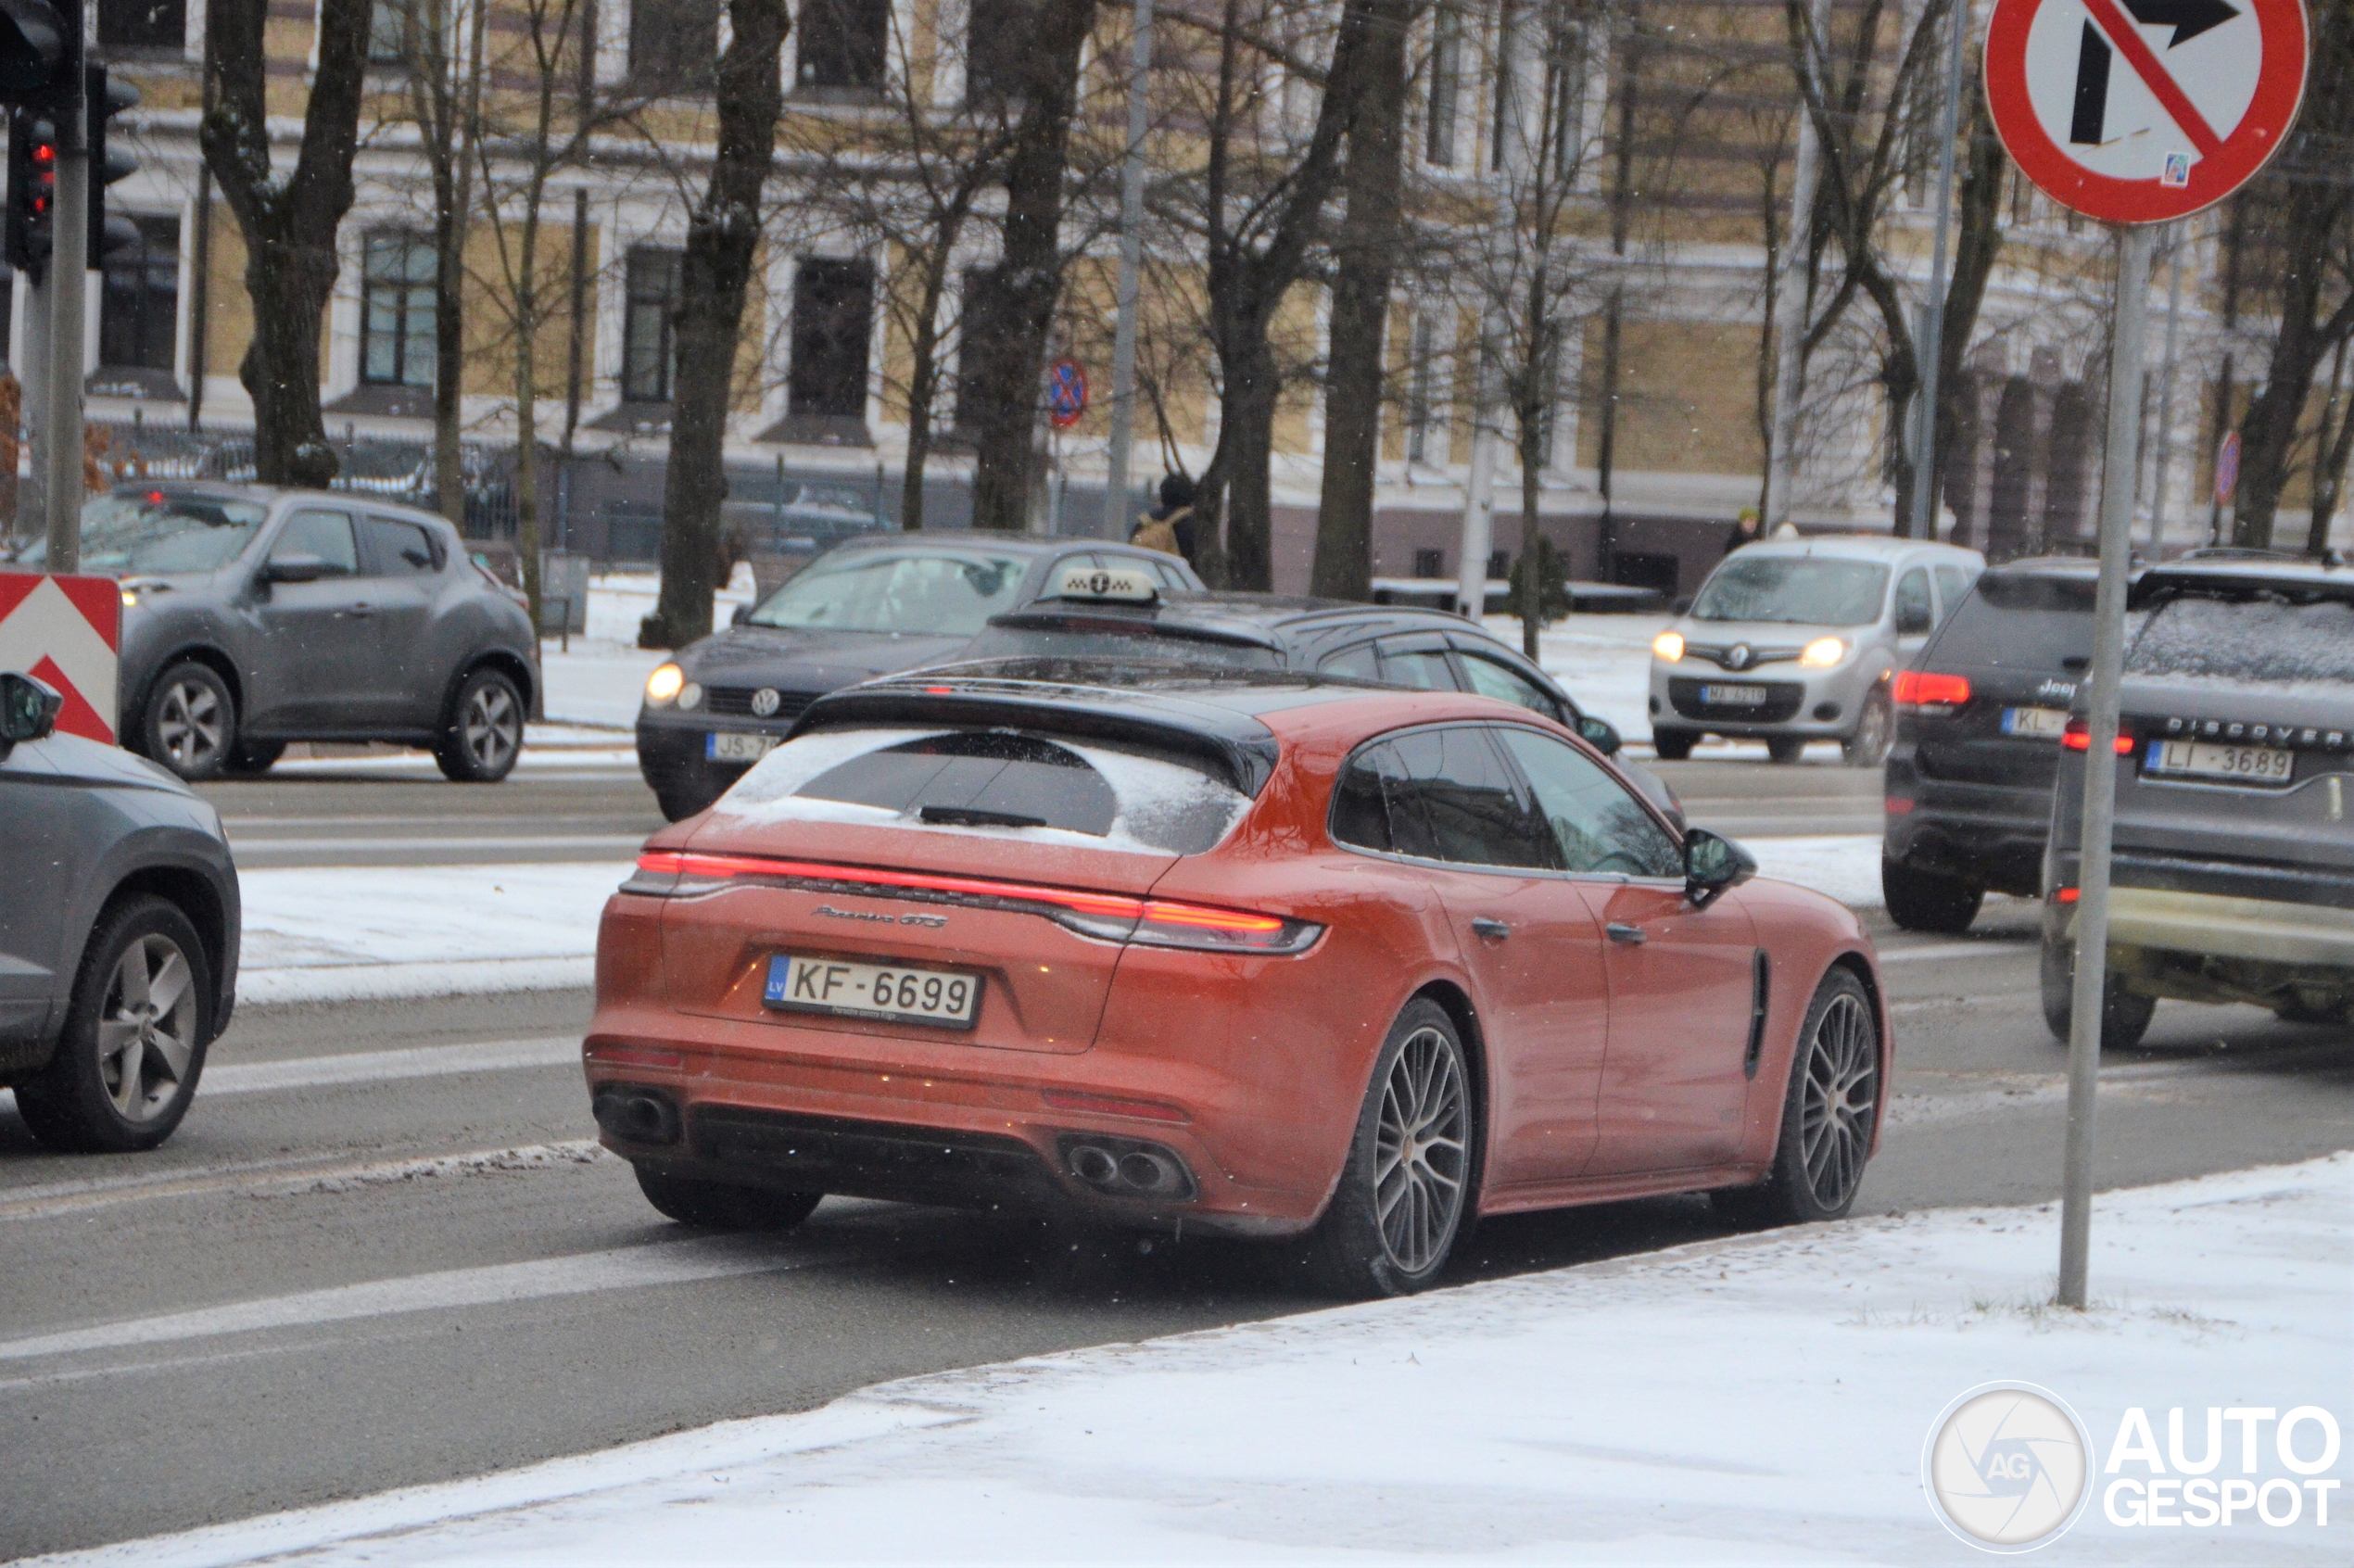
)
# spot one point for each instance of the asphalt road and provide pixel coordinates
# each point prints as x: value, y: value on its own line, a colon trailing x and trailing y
x: 382, y: 1249
x: 406, y: 814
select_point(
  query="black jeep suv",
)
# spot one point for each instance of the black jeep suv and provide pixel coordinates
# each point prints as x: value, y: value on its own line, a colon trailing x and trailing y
x: 2234, y: 869
x: 1979, y: 721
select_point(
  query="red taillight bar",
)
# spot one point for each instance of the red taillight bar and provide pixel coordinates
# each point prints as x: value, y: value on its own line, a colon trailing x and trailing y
x: 1922, y: 686
x: 2078, y: 737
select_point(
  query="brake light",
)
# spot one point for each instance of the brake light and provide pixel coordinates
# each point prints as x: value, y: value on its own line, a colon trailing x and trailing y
x: 1923, y: 689
x: 1898, y: 805
x: 2065, y: 895
x: 2078, y: 737
x: 1109, y: 917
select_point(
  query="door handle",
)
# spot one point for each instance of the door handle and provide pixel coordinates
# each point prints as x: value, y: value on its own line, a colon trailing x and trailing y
x: 1495, y: 931
x: 1621, y: 931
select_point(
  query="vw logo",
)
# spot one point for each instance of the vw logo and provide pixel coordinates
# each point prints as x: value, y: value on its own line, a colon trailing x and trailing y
x: 1738, y: 657
x: 765, y: 701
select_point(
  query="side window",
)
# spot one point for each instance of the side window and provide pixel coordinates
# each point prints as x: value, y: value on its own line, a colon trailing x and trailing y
x: 326, y: 535
x: 1360, y: 798
x: 1914, y: 614
x: 1358, y: 663
x: 1424, y: 669
x: 1171, y: 579
x: 1492, y: 677
x: 1598, y: 825
x: 401, y: 550
x: 1456, y: 800
x: 1953, y: 586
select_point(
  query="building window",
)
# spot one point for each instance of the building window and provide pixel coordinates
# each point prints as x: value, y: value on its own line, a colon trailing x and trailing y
x: 841, y: 43
x: 674, y: 43
x: 389, y: 39
x: 139, y: 305
x: 833, y: 316
x: 1430, y: 563
x: 1446, y: 82
x: 397, y: 338
x: 649, y: 325
x: 142, y: 24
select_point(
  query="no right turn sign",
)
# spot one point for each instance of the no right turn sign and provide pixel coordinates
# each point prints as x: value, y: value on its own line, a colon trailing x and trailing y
x: 2139, y: 111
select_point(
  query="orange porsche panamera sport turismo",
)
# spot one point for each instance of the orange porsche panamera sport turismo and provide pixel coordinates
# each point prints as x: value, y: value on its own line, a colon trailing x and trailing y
x: 1267, y: 955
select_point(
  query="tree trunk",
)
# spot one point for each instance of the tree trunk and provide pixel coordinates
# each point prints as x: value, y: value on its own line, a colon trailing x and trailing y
x: 456, y: 111
x: 923, y: 380
x: 1366, y: 261
x: 290, y: 226
x: 1010, y: 348
x: 1247, y: 445
x: 1978, y: 204
x: 721, y: 233
x: 1532, y: 607
x: 2332, y: 443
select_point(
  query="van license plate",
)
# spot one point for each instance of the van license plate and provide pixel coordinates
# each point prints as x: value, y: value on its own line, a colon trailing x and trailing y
x: 1733, y: 696
x: 2035, y: 724
x: 872, y: 991
x: 2267, y: 766
x: 735, y: 745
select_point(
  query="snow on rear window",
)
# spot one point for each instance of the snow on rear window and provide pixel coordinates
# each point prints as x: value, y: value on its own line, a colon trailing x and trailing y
x: 931, y: 780
x: 2261, y: 642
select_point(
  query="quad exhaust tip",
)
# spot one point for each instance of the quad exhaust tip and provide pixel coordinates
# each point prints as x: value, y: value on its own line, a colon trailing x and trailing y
x: 1123, y: 1168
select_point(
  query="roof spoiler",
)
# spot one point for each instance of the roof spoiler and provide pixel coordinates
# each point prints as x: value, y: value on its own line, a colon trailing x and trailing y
x: 2233, y: 576
x: 1235, y: 745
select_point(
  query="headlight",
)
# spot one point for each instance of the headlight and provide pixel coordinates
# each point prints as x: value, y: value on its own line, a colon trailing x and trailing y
x: 691, y: 695
x: 662, y: 687
x: 130, y: 597
x: 1823, y: 652
x: 1669, y: 646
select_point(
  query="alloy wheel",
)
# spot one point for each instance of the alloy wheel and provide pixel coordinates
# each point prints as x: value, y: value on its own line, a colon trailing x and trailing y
x: 1418, y: 1158
x: 147, y: 1028
x: 1840, y: 1097
x: 190, y: 725
x: 490, y: 728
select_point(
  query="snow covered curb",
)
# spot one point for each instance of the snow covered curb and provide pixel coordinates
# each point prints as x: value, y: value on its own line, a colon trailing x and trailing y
x: 1757, y: 1400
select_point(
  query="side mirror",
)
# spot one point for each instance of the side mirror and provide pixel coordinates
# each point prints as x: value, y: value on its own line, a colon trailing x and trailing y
x: 1711, y: 863
x: 1680, y: 605
x: 29, y: 708
x: 1599, y: 733
x: 293, y: 569
x: 742, y: 618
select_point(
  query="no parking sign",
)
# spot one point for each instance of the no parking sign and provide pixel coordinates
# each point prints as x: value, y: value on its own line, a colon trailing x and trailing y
x: 2140, y: 112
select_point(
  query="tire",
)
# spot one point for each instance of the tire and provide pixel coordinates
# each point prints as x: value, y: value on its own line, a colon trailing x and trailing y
x: 1834, y: 1086
x: 190, y: 725
x: 251, y: 759
x: 125, y: 1070
x: 2125, y: 1014
x: 1390, y: 1234
x: 1786, y: 748
x: 1874, y: 729
x: 482, y: 735
x: 717, y: 1206
x: 1674, y: 745
x: 1927, y: 901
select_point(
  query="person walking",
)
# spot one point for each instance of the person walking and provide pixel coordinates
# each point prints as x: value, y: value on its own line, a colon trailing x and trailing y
x: 1169, y: 527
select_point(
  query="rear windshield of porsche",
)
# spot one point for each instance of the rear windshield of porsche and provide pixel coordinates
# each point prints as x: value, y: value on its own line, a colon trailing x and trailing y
x: 1042, y: 787
x: 2021, y: 621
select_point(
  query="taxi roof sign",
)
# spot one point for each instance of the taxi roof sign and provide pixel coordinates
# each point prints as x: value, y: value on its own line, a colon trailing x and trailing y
x: 1124, y: 584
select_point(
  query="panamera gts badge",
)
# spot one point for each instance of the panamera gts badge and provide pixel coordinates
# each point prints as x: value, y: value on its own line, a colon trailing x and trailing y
x: 932, y: 922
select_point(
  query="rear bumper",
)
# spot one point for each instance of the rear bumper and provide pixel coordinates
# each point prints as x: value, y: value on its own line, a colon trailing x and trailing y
x: 670, y: 756
x: 1985, y: 833
x: 2213, y: 925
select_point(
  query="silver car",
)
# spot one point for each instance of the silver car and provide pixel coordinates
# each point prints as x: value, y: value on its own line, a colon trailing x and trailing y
x: 1799, y: 639
x: 254, y: 616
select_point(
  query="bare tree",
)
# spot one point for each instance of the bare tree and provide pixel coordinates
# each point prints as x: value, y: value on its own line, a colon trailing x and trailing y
x: 289, y: 225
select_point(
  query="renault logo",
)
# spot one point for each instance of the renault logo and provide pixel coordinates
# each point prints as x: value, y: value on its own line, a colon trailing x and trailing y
x: 1737, y: 657
x: 765, y: 701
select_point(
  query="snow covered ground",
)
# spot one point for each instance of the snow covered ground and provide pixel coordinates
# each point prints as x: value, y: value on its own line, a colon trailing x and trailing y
x: 1761, y: 1400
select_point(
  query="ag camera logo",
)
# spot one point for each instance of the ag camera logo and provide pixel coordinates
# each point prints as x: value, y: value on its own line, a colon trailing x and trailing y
x: 2007, y: 1467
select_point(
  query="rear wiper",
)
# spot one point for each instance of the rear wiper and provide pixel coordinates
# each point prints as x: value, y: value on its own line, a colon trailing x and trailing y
x: 973, y: 817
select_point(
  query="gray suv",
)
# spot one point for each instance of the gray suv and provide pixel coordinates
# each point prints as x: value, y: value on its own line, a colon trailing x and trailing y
x: 255, y: 617
x: 118, y: 929
x: 2234, y: 871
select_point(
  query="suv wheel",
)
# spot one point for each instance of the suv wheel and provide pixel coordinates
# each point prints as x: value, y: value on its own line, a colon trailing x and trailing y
x: 2125, y: 1014
x: 1927, y: 901
x: 1674, y: 745
x: 482, y: 735
x: 135, y: 1039
x: 191, y: 723
x: 1869, y: 746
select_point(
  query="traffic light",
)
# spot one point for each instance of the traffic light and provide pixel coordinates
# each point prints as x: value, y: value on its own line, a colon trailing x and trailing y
x: 33, y: 193
x: 105, y: 98
x: 40, y: 50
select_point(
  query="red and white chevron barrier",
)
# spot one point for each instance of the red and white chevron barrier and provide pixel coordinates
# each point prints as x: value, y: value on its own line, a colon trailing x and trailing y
x: 66, y: 631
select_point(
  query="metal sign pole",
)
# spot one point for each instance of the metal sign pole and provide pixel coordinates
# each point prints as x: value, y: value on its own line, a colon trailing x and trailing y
x: 2100, y: 757
x: 1114, y: 524
x: 62, y: 418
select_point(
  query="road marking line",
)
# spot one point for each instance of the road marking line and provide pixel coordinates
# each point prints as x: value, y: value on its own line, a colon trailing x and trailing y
x: 371, y: 1067
x: 294, y: 1174
x: 632, y: 1268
